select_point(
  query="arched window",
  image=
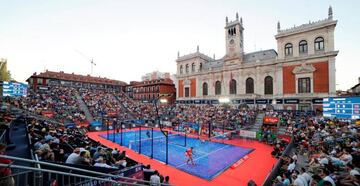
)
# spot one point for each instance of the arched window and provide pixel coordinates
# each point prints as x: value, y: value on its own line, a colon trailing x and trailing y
x: 181, y: 69
x: 205, y: 89
x: 200, y: 67
x: 319, y: 44
x: 249, y: 86
x: 187, y: 68
x: 268, y: 85
x: 232, y: 86
x: 193, y: 67
x: 288, y: 49
x: 303, y: 47
x: 217, y: 88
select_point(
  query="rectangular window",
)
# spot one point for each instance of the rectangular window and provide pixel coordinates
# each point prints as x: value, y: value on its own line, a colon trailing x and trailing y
x: 39, y: 81
x: 187, y: 92
x: 304, y: 85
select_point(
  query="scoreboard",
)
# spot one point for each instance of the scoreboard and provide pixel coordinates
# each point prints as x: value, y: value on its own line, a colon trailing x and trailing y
x: 14, y: 89
x: 342, y: 107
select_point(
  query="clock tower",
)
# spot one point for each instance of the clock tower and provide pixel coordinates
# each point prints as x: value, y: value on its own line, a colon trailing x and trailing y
x: 234, y: 40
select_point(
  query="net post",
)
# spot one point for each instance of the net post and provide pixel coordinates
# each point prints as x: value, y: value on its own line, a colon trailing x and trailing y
x: 167, y: 148
x: 185, y: 139
x: 114, y: 128
x: 121, y: 134
x: 139, y: 139
x: 210, y: 128
x: 107, y: 126
x: 152, y: 142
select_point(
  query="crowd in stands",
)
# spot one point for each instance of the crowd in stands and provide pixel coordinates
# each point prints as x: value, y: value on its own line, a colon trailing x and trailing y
x: 56, y: 143
x: 58, y: 102
x: 102, y: 104
x: 226, y: 116
x: 52, y: 142
x: 330, y: 149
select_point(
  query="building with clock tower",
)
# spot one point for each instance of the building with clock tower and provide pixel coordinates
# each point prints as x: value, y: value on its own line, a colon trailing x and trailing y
x: 295, y: 76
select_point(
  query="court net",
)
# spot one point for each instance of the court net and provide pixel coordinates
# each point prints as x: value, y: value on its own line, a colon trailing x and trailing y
x: 173, y: 138
x: 221, y: 136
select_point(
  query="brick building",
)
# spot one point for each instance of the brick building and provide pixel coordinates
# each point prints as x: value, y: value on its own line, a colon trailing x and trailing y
x: 148, y: 91
x: 48, y: 78
x: 296, y: 76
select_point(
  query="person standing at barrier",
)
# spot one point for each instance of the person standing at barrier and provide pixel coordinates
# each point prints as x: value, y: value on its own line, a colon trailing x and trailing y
x: 155, y: 179
x: 5, y: 172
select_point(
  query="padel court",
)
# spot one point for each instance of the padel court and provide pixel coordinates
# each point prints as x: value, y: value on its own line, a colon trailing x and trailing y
x: 211, y: 158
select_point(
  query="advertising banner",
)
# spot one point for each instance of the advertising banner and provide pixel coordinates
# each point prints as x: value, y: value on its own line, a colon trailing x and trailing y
x: 271, y: 120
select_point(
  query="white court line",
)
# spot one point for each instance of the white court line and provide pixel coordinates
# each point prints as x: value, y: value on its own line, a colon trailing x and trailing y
x: 204, y: 155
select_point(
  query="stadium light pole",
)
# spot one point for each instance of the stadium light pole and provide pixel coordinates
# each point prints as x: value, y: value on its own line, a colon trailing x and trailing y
x: 161, y: 129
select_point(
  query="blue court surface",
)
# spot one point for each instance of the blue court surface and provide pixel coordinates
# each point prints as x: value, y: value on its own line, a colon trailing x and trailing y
x: 211, y: 158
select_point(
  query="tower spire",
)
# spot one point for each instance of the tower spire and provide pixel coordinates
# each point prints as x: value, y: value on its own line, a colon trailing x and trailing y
x: 330, y: 13
x: 197, y: 48
x: 178, y: 54
x: 237, y: 16
x: 241, y: 20
x: 226, y: 20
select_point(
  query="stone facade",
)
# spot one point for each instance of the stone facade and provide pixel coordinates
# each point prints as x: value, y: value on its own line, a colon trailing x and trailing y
x: 302, y: 68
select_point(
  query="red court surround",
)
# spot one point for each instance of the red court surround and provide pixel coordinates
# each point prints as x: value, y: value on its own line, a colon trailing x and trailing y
x: 256, y: 167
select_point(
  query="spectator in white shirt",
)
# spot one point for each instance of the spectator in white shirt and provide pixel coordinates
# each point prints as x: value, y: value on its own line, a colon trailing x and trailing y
x: 298, y: 180
x: 73, y: 156
x: 100, y: 162
x: 327, y: 177
x: 305, y: 175
x: 291, y: 166
x: 155, y: 179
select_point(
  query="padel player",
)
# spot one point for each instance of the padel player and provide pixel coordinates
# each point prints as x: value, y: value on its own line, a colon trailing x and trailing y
x: 189, y: 155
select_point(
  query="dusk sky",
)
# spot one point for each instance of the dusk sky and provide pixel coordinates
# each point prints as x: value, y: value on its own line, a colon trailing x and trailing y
x: 127, y: 39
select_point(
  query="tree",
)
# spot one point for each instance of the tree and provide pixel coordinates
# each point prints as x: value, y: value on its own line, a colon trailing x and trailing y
x: 5, y: 75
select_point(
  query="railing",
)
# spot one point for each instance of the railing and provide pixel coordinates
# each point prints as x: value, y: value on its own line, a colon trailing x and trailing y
x: 3, y: 136
x: 46, y: 176
x: 272, y: 175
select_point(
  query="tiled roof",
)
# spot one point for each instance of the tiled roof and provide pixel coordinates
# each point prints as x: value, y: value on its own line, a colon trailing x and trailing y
x: 260, y: 56
x: 76, y: 77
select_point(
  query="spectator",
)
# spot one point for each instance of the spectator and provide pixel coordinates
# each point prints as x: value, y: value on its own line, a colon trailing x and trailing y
x: 166, y: 181
x: 155, y: 179
x: 81, y: 160
x: 5, y: 172
x: 100, y: 162
x: 73, y: 156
